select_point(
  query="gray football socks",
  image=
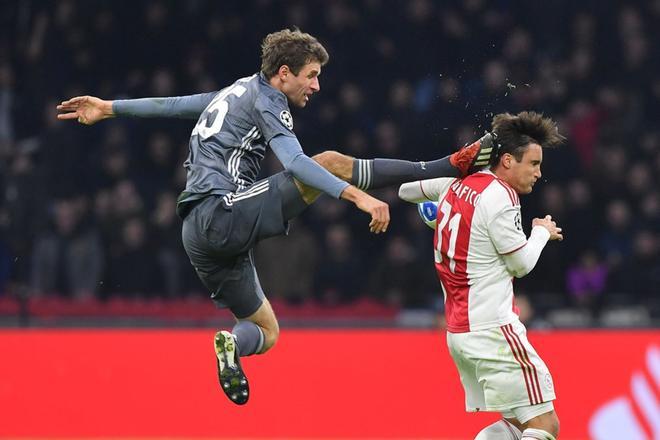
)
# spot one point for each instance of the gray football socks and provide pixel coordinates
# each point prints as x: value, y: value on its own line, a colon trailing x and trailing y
x: 379, y: 173
x: 249, y: 337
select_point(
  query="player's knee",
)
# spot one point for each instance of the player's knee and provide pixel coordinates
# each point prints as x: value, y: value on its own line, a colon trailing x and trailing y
x: 548, y: 422
x: 271, y: 335
x: 327, y: 158
x: 338, y: 164
x: 553, y: 424
x: 499, y: 429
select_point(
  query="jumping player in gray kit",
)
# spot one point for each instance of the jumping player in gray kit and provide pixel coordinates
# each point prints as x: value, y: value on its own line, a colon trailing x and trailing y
x: 225, y: 212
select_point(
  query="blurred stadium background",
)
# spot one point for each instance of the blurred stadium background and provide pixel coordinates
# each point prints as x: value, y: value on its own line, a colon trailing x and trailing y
x: 89, y: 237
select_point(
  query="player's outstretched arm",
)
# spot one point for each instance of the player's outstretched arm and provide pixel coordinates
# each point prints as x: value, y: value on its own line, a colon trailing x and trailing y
x: 424, y: 190
x: 89, y: 110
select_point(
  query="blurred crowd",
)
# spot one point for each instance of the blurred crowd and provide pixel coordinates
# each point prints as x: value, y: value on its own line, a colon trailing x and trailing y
x: 89, y: 211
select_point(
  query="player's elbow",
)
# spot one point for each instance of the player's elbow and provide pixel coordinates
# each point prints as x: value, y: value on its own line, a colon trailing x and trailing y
x: 519, y: 273
x: 402, y: 193
x: 405, y: 192
x: 295, y: 163
x: 520, y: 262
x: 518, y: 270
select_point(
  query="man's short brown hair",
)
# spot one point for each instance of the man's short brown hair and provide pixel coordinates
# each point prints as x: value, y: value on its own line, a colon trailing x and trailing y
x: 293, y: 48
x: 514, y: 133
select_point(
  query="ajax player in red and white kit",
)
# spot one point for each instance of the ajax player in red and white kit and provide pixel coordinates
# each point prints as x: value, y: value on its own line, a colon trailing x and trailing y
x: 480, y: 247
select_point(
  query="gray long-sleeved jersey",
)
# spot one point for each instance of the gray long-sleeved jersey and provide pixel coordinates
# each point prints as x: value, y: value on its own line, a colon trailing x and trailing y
x: 230, y: 138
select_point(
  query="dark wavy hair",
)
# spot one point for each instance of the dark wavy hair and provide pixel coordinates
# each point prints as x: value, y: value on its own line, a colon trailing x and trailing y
x: 513, y: 133
x: 292, y: 48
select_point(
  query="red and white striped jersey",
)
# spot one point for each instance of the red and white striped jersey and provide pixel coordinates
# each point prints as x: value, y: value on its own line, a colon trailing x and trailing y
x: 478, y: 221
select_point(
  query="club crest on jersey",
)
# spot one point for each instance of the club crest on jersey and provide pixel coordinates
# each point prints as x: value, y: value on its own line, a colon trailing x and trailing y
x: 286, y: 119
x: 548, y: 381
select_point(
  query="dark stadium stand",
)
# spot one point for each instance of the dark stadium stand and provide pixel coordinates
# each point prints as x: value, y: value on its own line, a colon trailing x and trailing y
x: 87, y: 222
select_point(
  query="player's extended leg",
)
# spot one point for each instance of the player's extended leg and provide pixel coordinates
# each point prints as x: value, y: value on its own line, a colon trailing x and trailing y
x: 380, y: 173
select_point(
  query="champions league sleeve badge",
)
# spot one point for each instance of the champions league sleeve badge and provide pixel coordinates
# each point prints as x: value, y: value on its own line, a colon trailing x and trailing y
x: 286, y: 119
x: 517, y: 222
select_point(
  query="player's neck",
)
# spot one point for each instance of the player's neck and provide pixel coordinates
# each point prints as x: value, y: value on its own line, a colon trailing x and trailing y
x: 276, y: 83
x: 500, y: 172
x: 503, y: 174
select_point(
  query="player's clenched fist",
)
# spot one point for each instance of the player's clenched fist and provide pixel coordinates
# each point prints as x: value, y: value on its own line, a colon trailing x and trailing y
x: 87, y: 110
x: 550, y: 225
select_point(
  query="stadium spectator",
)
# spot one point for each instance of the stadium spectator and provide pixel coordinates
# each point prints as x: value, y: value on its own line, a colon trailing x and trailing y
x: 287, y: 265
x: 132, y: 263
x: 639, y: 273
x: 173, y: 266
x: 68, y: 259
x: 615, y: 240
x: 340, y: 278
x: 395, y: 279
x: 586, y: 281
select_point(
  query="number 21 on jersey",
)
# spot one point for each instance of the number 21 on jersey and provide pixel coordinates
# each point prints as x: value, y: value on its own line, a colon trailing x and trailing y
x: 451, y: 222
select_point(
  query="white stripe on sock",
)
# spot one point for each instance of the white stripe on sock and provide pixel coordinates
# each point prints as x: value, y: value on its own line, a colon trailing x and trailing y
x: 358, y: 183
x: 262, y: 340
x: 370, y: 174
x: 365, y: 173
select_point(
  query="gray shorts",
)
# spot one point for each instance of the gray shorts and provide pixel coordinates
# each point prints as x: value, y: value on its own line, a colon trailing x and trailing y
x: 219, y: 233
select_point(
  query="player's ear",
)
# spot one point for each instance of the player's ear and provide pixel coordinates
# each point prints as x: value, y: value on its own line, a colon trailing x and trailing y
x: 283, y: 71
x: 505, y: 160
